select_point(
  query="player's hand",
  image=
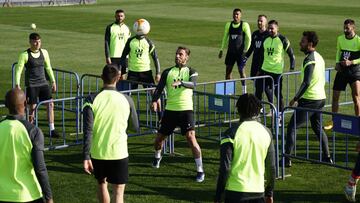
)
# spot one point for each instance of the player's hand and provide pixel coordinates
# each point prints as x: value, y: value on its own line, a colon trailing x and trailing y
x: 269, y: 199
x: 157, y: 78
x: 176, y: 83
x: 18, y: 87
x: 293, y: 103
x: 53, y: 87
x: 108, y: 61
x: 220, y: 54
x: 88, y: 167
x: 154, y: 106
x: 346, y: 63
x: 357, y: 147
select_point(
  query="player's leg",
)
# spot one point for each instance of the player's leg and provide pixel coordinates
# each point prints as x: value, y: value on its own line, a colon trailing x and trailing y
x: 355, y: 92
x: 133, y: 78
x: 229, y: 62
x: 350, y: 188
x: 103, y: 193
x: 45, y: 94
x: 100, y: 167
x: 240, y: 62
x: 31, y: 97
x: 118, y: 193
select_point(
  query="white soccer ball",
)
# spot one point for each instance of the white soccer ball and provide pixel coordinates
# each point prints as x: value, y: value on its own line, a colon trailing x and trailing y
x: 33, y: 26
x: 141, y: 27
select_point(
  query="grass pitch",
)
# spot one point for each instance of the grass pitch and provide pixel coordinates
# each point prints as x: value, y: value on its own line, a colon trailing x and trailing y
x: 74, y: 37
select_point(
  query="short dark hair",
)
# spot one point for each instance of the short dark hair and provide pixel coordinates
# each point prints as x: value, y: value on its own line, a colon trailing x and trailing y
x: 119, y: 11
x: 349, y: 21
x: 262, y: 15
x: 34, y: 36
x: 187, y: 50
x: 109, y: 74
x: 248, y: 106
x: 273, y: 22
x: 236, y: 10
x: 311, y: 36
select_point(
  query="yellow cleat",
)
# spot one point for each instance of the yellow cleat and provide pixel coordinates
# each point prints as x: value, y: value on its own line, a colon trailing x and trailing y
x: 329, y: 126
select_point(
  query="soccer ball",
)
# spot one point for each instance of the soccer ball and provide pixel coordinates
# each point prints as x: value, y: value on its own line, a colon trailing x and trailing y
x: 33, y: 26
x: 141, y: 27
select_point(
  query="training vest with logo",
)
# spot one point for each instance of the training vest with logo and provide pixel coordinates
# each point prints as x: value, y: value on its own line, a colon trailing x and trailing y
x: 119, y: 34
x: 349, y: 49
x: 274, y: 50
x: 139, y: 55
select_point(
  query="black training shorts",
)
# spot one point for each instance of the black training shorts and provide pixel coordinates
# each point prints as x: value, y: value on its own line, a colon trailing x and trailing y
x: 342, y: 79
x: 171, y: 119
x: 115, y: 171
x: 42, y: 92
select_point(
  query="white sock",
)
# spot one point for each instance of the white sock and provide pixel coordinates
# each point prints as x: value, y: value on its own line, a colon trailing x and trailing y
x: 199, y: 166
x: 244, y: 89
x: 52, y: 126
x: 158, y: 154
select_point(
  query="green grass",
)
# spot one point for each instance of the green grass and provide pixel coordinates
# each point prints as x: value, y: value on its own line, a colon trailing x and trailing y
x: 73, y: 35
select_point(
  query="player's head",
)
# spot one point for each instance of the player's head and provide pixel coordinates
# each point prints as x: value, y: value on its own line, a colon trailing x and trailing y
x: 35, y: 41
x: 349, y: 27
x: 15, y: 101
x: 248, y: 106
x: 308, y: 41
x: 262, y: 22
x: 182, y: 56
x: 273, y: 27
x: 110, y: 74
x: 237, y: 15
x: 119, y: 16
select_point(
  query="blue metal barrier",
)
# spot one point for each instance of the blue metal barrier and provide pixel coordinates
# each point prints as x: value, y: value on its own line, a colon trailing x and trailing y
x: 345, y: 126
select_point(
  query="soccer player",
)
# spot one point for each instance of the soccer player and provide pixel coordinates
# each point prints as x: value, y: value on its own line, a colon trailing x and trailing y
x: 179, y: 82
x: 311, y: 95
x: 36, y: 62
x: 116, y: 35
x: 140, y: 48
x: 105, y: 149
x: 238, y: 34
x: 23, y: 173
x: 348, y: 67
x: 257, y: 39
x: 274, y: 48
x: 247, y: 156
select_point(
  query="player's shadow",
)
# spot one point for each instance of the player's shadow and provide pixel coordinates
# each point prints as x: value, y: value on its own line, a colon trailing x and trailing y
x: 307, y: 196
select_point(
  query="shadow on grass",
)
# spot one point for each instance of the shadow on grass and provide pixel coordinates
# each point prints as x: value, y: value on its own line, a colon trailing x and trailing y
x: 306, y: 196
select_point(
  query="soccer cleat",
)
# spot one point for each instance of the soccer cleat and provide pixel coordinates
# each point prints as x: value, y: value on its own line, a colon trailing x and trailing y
x: 327, y: 160
x: 350, y: 192
x: 156, y: 162
x: 329, y: 126
x: 287, y: 163
x: 200, y: 177
x: 54, y: 134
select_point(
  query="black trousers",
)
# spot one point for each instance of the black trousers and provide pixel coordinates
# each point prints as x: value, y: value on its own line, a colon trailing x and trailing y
x: 301, y: 119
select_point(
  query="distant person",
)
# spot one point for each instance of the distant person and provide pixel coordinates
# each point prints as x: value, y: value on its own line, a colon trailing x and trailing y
x: 23, y: 173
x: 256, y: 48
x: 238, y: 35
x: 275, y: 46
x: 37, y: 67
x: 116, y: 36
x: 140, y: 48
x: 347, y: 67
x: 179, y: 82
x: 105, y: 149
x: 247, y: 156
x: 311, y: 95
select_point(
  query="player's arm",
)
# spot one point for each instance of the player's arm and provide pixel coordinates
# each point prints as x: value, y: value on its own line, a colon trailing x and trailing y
x: 270, y: 169
x: 192, y: 79
x: 226, y: 154
x: 88, y: 118
x: 23, y: 58
x: 252, y: 45
x: 308, y: 72
x: 290, y: 53
x: 107, y: 44
x: 160, y: 87
x: 225, y: 38
x: 357, y: 61
x: 125, y: 52
x: 133, y: 121
x: 154, y: 56
x: 247, y: 32
x: 37, y: 155
x: 49, y: 69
